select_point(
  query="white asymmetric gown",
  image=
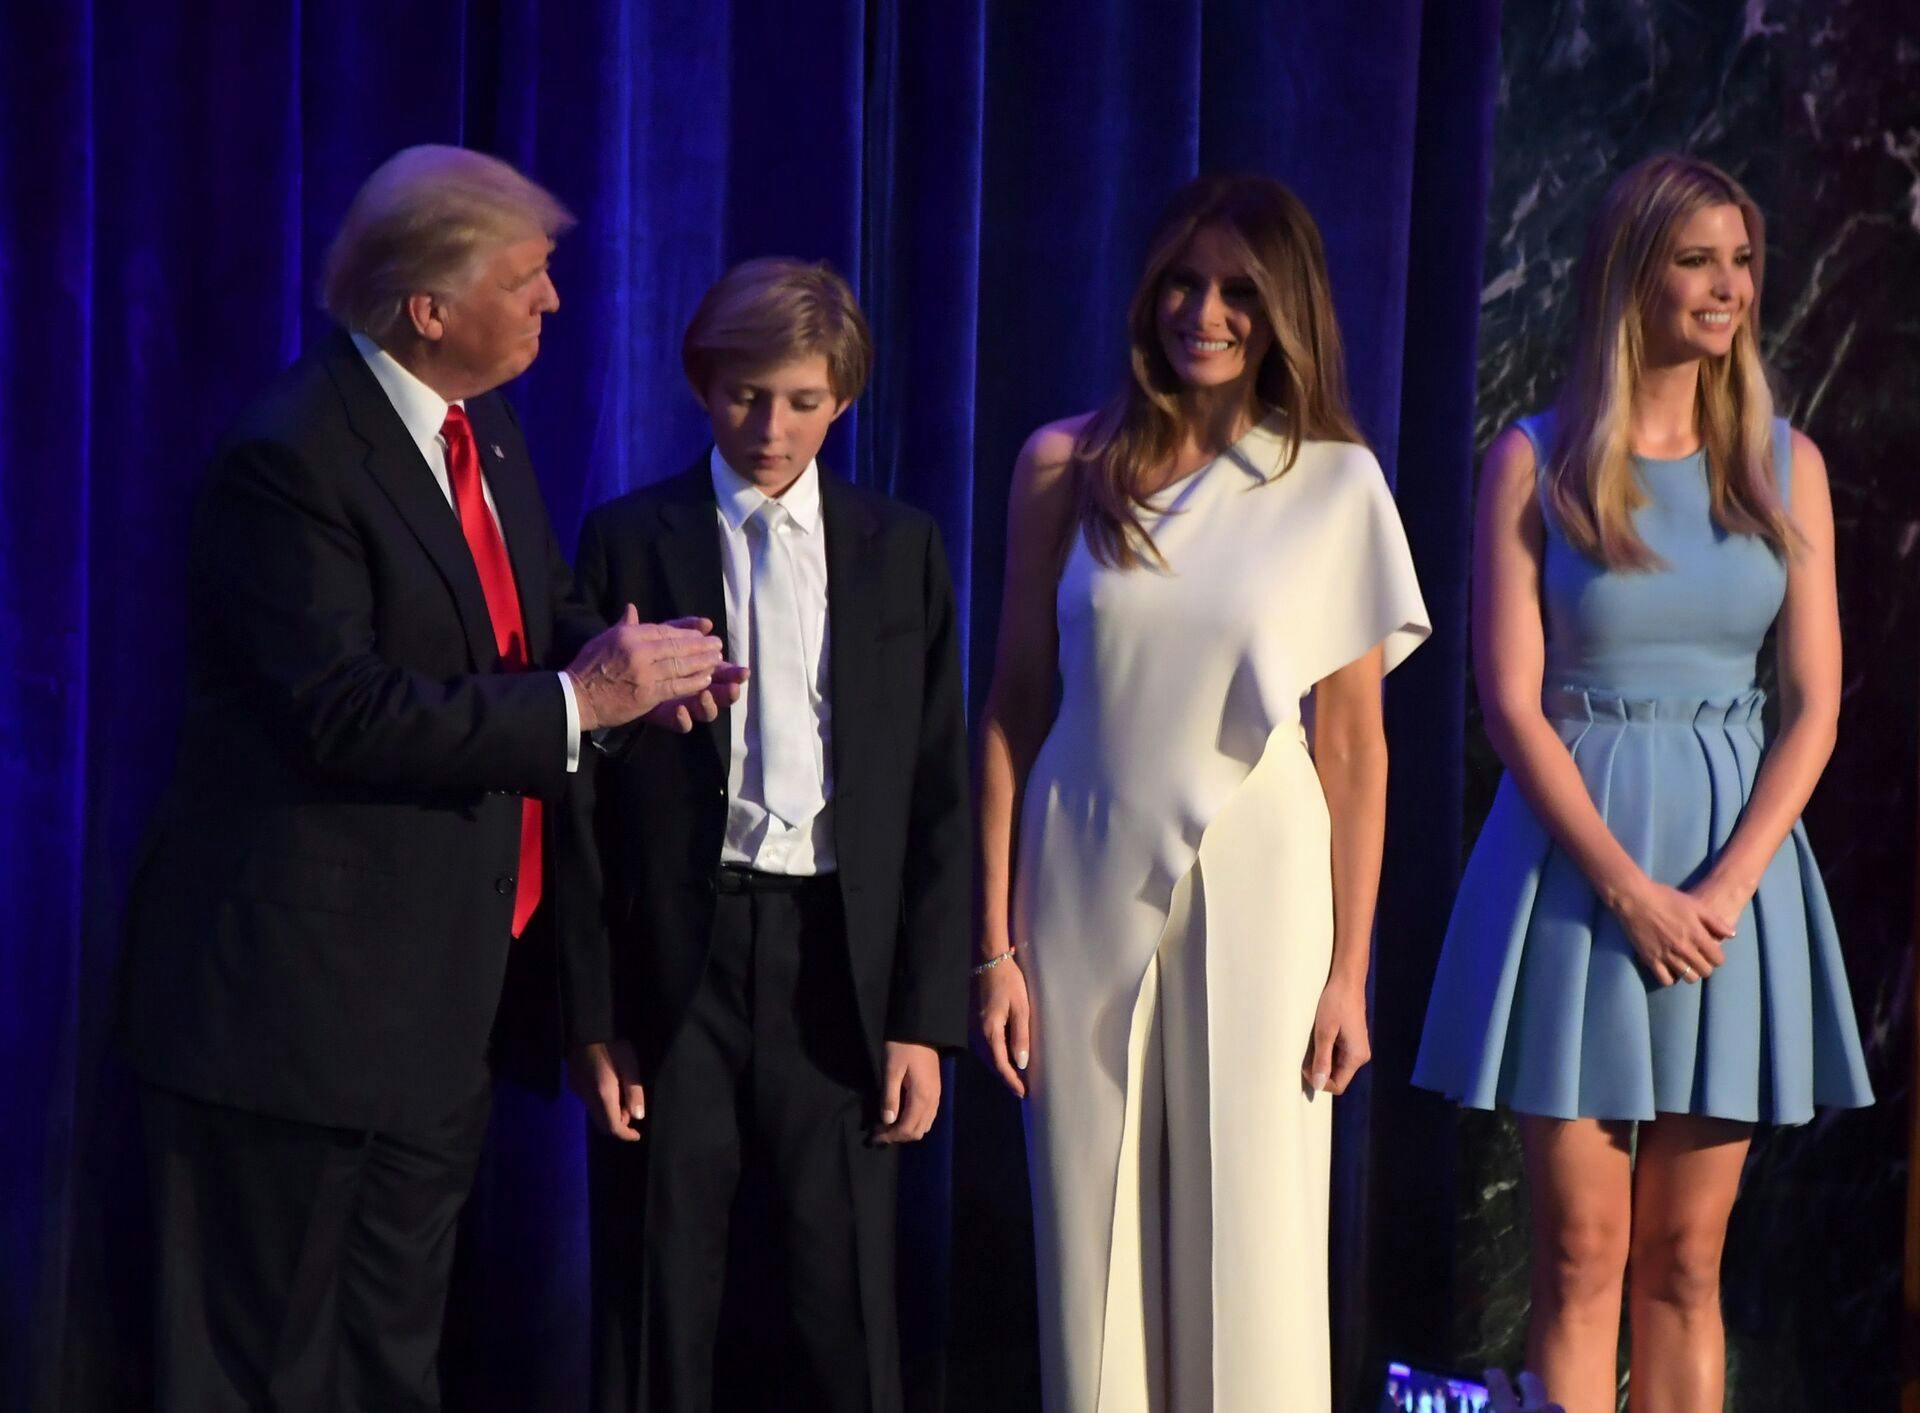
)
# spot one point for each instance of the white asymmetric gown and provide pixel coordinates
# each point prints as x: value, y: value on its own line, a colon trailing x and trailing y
x: 1173, y: 909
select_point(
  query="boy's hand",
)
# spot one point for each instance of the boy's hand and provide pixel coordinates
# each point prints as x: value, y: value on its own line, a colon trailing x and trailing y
x: 607, y: 1079
x: 910, y: 1093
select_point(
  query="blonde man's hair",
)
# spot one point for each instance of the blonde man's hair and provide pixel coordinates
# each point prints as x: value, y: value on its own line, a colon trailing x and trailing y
x: 418, y: 226
x: 766, y: 312
x: 1590, y: 485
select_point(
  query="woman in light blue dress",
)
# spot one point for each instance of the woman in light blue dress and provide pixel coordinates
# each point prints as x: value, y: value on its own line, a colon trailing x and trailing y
x: 1641, y: 934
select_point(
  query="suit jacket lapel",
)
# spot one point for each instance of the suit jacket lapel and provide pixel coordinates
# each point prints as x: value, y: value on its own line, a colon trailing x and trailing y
x: 690, y: 561
x: 394, y: 461
x: 853, y: 608
x: 523, y: 521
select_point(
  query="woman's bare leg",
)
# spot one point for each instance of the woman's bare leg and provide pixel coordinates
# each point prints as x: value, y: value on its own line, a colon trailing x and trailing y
x: 1685, y: 1180
x: 1580, y: 1193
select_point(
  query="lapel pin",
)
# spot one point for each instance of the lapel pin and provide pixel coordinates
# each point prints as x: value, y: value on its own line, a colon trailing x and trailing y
x: 498, y: 455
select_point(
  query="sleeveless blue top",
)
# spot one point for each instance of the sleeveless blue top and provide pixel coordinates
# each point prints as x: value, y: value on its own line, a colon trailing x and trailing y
x: 1692, y: 627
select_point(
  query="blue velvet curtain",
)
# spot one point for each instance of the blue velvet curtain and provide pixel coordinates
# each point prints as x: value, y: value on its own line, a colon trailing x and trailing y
x: 984, y: 170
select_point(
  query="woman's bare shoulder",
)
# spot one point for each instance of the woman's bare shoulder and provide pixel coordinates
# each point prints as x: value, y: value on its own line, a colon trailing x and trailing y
x: 1047, y: 455
x: 1051, y: 443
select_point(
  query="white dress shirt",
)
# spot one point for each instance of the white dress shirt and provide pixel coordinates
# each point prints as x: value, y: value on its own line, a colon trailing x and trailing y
x: 756, y: 838
x: 424, y: 412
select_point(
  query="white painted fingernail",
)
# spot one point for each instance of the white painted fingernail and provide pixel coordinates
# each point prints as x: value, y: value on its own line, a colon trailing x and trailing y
x: 887, y: 1115
x: 1020, y: 1059
x: 1320, y: 1080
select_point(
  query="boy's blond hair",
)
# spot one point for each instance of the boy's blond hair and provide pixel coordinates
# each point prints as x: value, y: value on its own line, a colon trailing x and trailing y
x: 766, y: 312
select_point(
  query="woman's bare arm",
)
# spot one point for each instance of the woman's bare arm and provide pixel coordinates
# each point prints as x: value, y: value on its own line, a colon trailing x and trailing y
x: 1350, y: 756
x: 1018, y: 713
x: 1807, y: 640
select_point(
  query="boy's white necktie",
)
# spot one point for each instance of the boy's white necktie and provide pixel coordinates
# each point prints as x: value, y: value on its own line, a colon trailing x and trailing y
x: 779, y: 692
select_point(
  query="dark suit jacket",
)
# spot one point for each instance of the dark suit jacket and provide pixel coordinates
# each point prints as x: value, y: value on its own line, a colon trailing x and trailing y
x: 318, y: 925
x: 900, y: 815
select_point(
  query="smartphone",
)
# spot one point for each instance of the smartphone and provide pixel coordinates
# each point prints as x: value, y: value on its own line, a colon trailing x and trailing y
x: 1408, y: 1388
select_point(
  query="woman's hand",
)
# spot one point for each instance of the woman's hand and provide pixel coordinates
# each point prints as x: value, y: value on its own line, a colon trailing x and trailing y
x: 1722, y: 897
x: 1339, y: 1045
x: 1677, y: 935
x: 1006, y: 1020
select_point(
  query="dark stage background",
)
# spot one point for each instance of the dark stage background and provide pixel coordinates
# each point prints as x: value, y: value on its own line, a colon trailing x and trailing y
x: 985, y: 171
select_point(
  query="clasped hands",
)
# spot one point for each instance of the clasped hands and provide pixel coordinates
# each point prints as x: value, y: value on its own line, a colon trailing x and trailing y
x: 1678, y: 932
x: 667, y: 674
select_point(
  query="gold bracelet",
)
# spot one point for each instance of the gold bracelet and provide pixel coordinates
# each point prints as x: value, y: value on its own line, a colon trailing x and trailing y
x: 991, y: 962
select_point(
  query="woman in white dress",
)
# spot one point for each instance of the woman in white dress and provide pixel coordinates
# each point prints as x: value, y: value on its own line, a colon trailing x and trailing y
x: 1176, y: 890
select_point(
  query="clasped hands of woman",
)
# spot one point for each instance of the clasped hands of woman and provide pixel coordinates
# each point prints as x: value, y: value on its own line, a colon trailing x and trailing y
x: 1678, y: 932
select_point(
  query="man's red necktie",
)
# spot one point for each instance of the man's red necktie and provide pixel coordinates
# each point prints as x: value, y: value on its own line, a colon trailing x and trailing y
x: 503, y: 607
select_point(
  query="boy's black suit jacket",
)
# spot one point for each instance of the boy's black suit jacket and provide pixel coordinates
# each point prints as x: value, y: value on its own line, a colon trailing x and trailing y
x: 900, y: 802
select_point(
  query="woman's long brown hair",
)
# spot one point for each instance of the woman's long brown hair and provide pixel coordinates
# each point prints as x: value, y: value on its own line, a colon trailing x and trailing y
x: 1302, y: 376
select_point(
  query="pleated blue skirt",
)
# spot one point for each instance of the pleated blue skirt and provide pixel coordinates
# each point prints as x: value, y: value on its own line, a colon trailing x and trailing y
x: 1540, y: 1003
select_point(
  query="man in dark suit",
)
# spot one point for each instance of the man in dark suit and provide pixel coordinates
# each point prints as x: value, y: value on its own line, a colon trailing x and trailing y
x: 356, y: 834
x: 786, y: 891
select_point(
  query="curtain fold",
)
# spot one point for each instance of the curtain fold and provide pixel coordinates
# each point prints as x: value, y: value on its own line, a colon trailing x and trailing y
x: 1411, y: 1145
x: 46, y: 220
x: 985, y: 171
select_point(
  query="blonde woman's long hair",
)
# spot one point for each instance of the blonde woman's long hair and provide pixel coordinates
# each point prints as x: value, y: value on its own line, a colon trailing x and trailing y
x: 1591, y: 488
x: 1302, y: 375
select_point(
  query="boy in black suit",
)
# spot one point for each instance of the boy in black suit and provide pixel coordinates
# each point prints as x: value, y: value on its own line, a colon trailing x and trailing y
x: 786, y: 886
